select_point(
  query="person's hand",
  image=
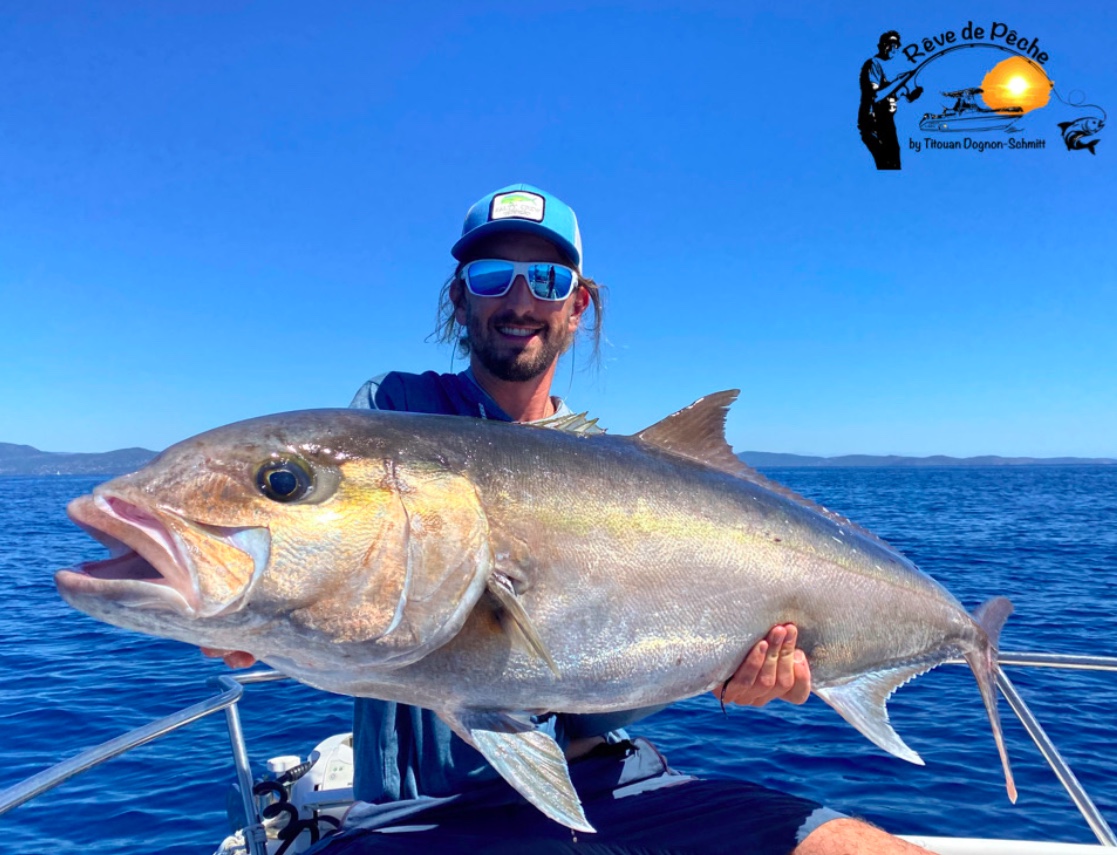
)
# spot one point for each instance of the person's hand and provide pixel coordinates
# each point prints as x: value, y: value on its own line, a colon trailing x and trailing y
x: 233, y: 658
x: 774, y: 668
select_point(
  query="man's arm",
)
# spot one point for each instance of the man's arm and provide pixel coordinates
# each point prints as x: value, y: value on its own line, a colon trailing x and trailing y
x: 885, y: 89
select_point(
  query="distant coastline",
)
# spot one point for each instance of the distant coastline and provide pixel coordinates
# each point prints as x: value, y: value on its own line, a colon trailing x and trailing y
x: 769, y: 459
x: 27, y: 460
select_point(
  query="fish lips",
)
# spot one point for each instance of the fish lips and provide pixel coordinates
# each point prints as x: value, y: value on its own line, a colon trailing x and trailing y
x: 148, y: 566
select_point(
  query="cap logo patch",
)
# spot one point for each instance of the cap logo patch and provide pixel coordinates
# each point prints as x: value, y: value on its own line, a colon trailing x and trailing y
x: 518, y: 205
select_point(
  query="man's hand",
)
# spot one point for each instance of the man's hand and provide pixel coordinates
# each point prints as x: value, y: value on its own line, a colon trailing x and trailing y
x: 233, y: 658
x: 773, y: 669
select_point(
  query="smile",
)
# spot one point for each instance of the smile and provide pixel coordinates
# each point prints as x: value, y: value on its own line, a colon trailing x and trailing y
x: 518, y: 332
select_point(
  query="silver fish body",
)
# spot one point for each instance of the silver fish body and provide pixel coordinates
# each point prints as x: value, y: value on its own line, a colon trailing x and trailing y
x: 487, y: 570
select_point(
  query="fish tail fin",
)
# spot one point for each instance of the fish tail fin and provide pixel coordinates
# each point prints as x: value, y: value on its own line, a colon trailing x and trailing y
x: 1090, y: 145
x: 991, y: 616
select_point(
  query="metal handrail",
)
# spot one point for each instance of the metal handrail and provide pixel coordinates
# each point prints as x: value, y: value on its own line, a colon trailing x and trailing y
x: 1055, y: 760
x: 1068, y: 661
x: 232, y: 690
x: 49, y: 778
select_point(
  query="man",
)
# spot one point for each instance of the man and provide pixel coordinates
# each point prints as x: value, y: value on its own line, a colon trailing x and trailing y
x: 515, y: 302
x: 876, y: 114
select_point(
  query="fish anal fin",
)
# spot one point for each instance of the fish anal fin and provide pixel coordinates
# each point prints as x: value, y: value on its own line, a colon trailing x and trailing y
x: 515, y: 620
x: 862, y: 701
x: 528, y: 759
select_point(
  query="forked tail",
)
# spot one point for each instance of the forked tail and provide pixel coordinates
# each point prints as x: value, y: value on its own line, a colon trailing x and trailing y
x: 992, y: 616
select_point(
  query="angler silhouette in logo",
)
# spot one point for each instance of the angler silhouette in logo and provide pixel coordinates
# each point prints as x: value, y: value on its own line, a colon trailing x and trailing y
x: 875, y: 117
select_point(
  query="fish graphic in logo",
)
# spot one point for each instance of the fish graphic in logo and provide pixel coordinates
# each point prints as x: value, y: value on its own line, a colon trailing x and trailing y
x: 1075, y: 133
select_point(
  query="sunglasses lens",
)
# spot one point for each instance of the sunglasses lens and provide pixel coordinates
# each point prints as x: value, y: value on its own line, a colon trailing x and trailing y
x: 493, y: 278
x: 489, y: 278
x: 550, y: 281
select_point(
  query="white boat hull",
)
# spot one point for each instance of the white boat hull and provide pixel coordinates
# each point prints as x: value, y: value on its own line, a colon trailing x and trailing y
x: 986, y: 846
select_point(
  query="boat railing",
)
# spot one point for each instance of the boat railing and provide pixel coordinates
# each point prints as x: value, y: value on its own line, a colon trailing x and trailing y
x: 232, y: 688
x: 1044, y: 743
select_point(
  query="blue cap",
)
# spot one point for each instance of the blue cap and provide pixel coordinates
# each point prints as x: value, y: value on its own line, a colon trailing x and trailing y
x: 522, y: 208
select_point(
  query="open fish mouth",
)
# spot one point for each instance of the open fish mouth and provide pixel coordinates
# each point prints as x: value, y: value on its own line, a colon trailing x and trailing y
x: 149, y: 564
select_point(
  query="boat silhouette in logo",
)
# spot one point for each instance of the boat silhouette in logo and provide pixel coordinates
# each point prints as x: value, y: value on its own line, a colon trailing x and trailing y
x: 966, y: 115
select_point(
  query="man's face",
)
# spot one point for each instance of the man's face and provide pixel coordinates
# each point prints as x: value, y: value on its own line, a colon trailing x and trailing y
x: 517, y: 337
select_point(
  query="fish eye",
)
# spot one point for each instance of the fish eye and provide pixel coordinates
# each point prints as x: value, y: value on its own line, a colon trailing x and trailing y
x: 284, y: 480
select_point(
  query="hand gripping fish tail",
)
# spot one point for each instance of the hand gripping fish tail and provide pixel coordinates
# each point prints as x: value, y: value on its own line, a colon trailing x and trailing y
x: 491, y: 571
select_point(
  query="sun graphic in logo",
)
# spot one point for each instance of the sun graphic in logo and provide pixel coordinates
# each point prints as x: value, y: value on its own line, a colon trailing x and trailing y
x: 1016, y: 85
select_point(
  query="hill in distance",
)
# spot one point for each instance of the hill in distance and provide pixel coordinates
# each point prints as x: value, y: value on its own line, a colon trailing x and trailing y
x: 27, y: 460
x: 768, y: 459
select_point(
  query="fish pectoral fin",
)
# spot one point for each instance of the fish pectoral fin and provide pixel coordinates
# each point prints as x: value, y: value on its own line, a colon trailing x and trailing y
x: 528, y: 759
x: 862, y: 701
x: 515, y: 620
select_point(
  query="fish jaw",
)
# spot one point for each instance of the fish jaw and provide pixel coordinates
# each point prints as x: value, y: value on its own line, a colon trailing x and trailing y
x: 153, y: 562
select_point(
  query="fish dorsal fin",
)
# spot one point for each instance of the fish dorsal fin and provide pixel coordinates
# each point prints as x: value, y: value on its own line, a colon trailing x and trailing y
x: 697, y: 432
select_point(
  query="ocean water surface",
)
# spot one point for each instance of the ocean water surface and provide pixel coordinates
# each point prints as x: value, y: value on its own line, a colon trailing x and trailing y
x: 1046, y: 537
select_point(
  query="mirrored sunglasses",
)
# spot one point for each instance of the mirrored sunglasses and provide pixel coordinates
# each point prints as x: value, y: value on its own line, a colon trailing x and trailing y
x: 493, y: 277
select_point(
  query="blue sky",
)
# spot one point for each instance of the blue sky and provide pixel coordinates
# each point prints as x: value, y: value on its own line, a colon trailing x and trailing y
x: 212, y: 211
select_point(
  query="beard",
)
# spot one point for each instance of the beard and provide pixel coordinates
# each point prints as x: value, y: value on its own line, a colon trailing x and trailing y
x: 511, y: 363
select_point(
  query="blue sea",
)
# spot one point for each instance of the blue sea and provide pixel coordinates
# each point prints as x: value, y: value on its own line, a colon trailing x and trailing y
x: 1046, y: 537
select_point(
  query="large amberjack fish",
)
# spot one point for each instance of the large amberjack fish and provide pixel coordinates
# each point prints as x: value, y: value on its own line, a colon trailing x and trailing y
x: 490, y: 571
